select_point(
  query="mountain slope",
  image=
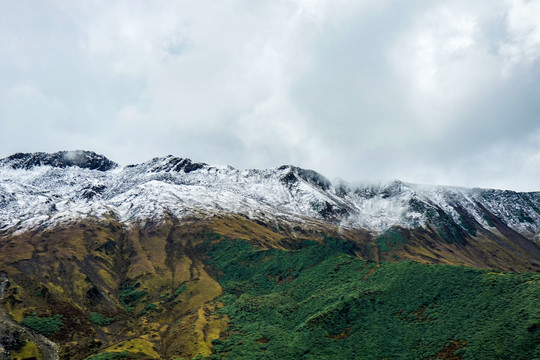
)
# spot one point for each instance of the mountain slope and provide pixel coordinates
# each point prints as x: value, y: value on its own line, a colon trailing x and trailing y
x: 317, y: 303
x: 42, y: 190
x: 39, y: 193
x: 125, y: 260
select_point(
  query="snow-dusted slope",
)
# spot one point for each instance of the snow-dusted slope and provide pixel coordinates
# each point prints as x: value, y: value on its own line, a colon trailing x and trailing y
x: 40, y: 190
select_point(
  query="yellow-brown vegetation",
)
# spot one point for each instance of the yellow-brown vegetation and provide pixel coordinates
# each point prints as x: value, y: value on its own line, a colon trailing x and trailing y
x: 78, y: 269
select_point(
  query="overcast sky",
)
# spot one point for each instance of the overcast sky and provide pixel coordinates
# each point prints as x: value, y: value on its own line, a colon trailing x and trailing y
x: 436, y: 92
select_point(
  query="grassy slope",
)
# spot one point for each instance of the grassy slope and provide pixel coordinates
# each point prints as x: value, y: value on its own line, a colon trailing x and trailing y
x: 318, y: 303
x: 129, y: 276
x: 310, y: 298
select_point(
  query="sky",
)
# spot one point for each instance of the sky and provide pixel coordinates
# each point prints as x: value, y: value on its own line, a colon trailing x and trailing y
x: 432, y: 92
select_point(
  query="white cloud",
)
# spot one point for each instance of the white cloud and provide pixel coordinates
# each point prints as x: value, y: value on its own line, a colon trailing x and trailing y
x: 445, y: 65
x: 523, y: 26
x: 355, y: 89
x: 28, y: 117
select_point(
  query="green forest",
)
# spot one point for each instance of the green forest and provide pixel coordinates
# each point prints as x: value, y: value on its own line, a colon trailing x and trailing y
x: 317, y: 302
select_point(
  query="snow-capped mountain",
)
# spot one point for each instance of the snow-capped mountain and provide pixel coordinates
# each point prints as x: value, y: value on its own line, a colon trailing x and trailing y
x: 40, y: 190
x: 108, y: 260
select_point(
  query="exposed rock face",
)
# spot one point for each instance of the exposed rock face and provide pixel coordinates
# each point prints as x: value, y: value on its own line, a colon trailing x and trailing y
x: 175, y: 164
x: 11, y: 338
x: 312, y: 177
x: 82, y: 159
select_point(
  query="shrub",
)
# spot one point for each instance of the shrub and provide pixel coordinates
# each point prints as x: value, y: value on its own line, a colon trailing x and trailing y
x: 129, y: 293
x: 150, y: 307
x: 109, y: 356
x: 180, y: 290
x: 100, y: 319
x: 44, y: 325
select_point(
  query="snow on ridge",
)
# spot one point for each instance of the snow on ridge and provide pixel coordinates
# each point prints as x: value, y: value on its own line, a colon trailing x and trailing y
x: 42, y: 196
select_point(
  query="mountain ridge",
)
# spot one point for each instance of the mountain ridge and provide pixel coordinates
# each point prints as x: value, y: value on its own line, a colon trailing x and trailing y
x: 67, y: 158
x: 60, y: 159
x: 56, y: 190
x: 174, y: 259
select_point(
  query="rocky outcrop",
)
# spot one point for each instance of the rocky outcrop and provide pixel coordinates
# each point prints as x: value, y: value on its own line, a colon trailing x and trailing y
x: 82, y: 159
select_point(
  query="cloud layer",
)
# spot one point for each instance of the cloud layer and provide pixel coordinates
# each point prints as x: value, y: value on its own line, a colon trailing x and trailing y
x: 431, y: 92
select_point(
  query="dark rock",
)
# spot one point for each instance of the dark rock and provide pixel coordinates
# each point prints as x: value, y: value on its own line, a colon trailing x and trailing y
x: 314, y: 178
x: 10, y: 337
x: 178, y: 164
x: 62, y: 159
x: 289, y: 179
x: 391, y: 190
x: 329, y: 211
x: 109, y: 247
x: 310, y: 176
x: 93, y: 295
x: 91, y: 192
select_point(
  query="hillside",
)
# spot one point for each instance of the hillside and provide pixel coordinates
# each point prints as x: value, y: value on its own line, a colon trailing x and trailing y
x: 175, y: 259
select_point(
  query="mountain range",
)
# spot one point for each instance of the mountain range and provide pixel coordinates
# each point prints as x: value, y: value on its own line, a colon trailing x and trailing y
x: 174, y: 259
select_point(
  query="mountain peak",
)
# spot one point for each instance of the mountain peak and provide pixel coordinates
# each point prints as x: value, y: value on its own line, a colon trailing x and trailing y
x: 310, y: 176
x: 172, y: 163
x: 61, y: 159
